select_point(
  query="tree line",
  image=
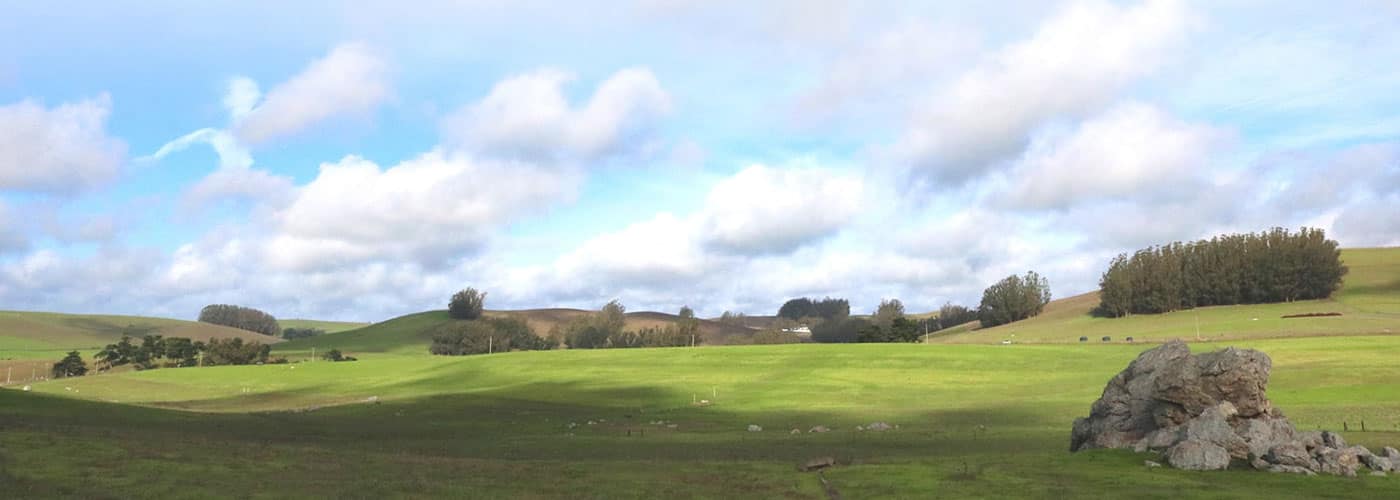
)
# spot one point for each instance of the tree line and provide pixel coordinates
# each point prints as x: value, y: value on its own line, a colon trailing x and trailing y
x: 1249, y: 268
x: 155, y: 351
x: 243, y: 318
x: 606, y: 328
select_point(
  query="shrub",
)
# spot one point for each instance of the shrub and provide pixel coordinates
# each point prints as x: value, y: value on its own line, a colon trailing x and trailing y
x: 301, y: 333
x: 243, y: 318
x: 845, y: 330
x: 332, y: 355
x: 772, y: 336
x: 220, y: 352
x: 466, y: 304
x: 951, y: 315
x: 459, y: 338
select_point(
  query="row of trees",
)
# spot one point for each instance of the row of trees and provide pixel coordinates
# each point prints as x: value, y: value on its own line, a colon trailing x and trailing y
x: 1271, y: 266
x: 607, y: 329
x: 243, y: 318
x: 155, y: 351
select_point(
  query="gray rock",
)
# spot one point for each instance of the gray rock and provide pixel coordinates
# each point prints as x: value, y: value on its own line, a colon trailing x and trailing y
x: 1166, y: 387
x: 1391, y: 453
x: 1150, y: 464
x: 755, y: 428
x: 1378, y: 463
x: 817, y: 464
x: 1264, y: 433
x: 1311, y: 439
x: 1159, y: 440
x: 819, y: 429
x: 1377, y: 473
x: 1198, y: 455
x: 879, y: 427
x: 1333, y: 440
x: 1338, y: 462
x: 1291, y: 454
x: 1212, y: 426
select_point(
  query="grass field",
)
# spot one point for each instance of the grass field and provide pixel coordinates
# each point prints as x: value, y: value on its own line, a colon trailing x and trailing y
x: 974, y: 421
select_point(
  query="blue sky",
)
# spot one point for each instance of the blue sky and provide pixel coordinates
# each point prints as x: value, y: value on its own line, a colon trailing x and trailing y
x: 371, y: 159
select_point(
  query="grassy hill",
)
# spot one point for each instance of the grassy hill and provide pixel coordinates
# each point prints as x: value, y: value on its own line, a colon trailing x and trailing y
x: 328, y: 326
x: 412, y: 334
x: 974, y: 421
x: 43, y: 335
x: 1369, y: 303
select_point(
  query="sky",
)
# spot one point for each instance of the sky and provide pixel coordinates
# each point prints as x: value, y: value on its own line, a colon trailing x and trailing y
x: 363, y: 160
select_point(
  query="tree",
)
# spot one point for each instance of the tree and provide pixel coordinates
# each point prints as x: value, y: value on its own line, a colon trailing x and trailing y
x: 688, y: 326
x: 466, y: 304
x: 71, y: 365
x: 334, y: 355
x: 796, y: 309
x: 844, y: 330
x: 775, y: 336
x: 734, y: 320
x: 1013, y: 299
x: 886, y: 313
x: 457, y: 338
x: 243, y: 318
x: 951, y: 315
x: 221, y: 352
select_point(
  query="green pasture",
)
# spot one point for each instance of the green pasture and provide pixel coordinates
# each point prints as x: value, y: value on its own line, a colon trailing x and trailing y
x: 974, y: 421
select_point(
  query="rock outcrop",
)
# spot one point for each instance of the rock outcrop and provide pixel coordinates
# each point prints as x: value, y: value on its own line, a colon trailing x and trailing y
x: 1205, y: 411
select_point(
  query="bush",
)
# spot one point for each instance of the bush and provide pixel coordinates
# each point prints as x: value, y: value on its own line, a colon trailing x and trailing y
x: 1013, y: 299
x: 71, y: 365
x: 951, y: 315
x: 466, y: 304
x: 333, y: 355
x: 243, y: 318
x: 886, y: 313
x: 301, y: 333
x: 901, y: 329
x: 221, y: 352
x: 845, y: 330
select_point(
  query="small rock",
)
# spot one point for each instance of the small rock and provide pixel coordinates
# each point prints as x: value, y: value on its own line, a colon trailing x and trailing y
x: 1389, y: 452
x: 572, y: 425
x: 860, y: 428
x: 879, y: 427
x: 1377, y: 473
x: 819, y: 429
x: 27, y: 388
x: 590, y: 422
x: 372, y: 399
x: 795, y: 431
x: 755, y: 428
x: 1291, y: 454
x: 1150, y: 464
x: 672, y: 426
x: 817, y: 464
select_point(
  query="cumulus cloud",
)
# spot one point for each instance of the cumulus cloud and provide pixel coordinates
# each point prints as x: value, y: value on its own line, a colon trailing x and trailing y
x: 1132, y: 151
x: 775, y: 210
x: 64, y: 149
x: 1075, y: 63
x: 425, y: 209
x: 234, y: 179
x: 528, y: 116
x: 351, y: 79
x: 12, y: 238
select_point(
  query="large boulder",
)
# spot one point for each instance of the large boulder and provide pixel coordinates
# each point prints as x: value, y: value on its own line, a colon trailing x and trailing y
x: 1204, y: 411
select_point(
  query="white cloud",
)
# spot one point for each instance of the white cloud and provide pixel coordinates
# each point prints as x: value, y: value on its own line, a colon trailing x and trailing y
x: 12, y: 238
x: 527, y: 116
x: 427, y: 209
x: 775, y: 210
x: 234, y: 179
x: 1133, y: 150
x: 351, y: 79
x: 1077, y: 61
x: 57, y: 150
x: 659, y: 251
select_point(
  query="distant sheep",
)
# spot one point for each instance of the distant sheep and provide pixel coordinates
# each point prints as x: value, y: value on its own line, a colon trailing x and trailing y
x: 1129, y: 339
x: 1083, y: 339
x: 1106, y: 338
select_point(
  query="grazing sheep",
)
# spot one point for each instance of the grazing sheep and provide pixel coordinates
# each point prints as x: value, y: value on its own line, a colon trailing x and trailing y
x: 1130, y: 340
x: 1106, y: 338
x: 1083, y: 339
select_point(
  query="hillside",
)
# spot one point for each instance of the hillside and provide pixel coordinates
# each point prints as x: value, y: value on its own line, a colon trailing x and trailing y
x: 1368, y: 301
x: 44, y: 335
x: 413, y: 333
x: 328, y: 326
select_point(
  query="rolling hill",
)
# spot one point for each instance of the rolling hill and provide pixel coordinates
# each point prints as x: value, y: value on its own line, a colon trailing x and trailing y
x: 328, y: 326
x: 1368, y: 303
x: 411, y: 334
x: 44, y: 335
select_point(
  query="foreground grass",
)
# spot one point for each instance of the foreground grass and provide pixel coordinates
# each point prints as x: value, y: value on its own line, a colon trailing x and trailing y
x: 975, y: 421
